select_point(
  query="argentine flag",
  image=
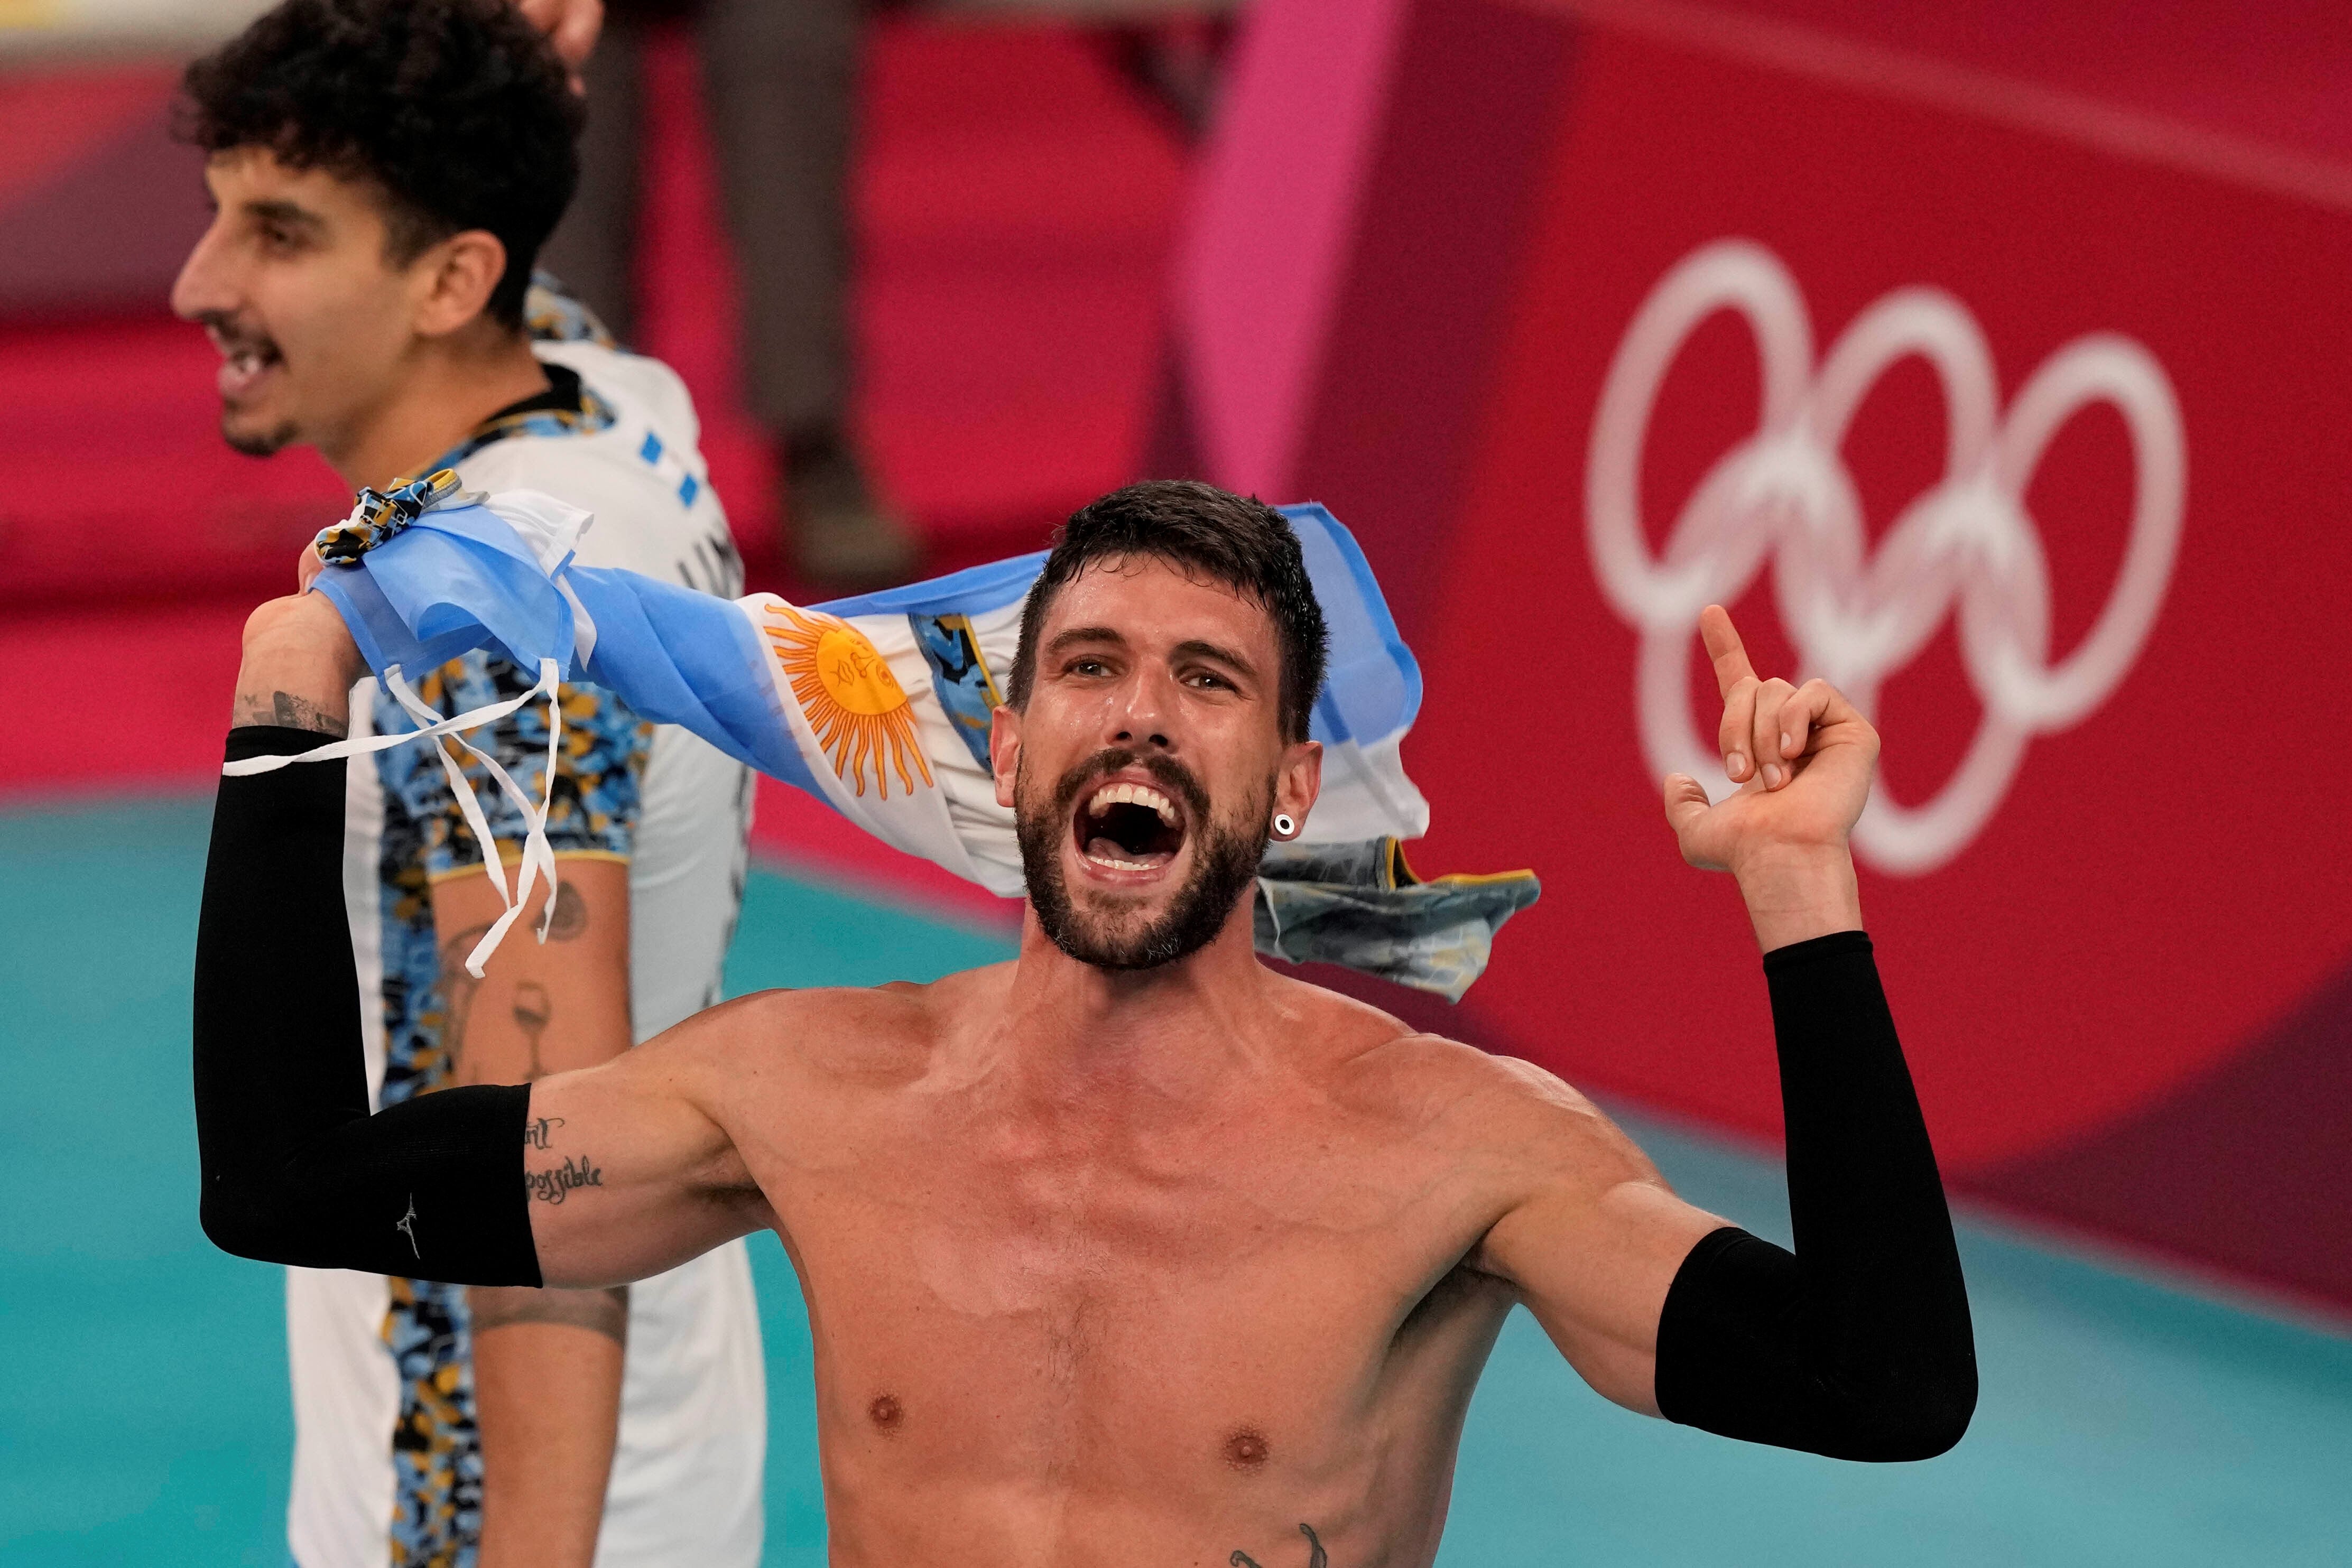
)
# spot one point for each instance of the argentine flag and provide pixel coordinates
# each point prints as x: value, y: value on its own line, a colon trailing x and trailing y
x: 879, y: 704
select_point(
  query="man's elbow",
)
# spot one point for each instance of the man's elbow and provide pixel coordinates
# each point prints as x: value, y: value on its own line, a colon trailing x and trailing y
x: 241, y: 1226
x: 229, y: 1227
x: 1925, y: 1417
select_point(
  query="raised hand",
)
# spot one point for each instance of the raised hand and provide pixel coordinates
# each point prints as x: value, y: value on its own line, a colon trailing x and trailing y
x: 1802, y: 758
x: 572, y: 26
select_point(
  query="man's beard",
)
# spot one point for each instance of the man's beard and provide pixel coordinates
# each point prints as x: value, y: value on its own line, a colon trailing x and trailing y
x: 1225, y: 862
x: 258, y: 443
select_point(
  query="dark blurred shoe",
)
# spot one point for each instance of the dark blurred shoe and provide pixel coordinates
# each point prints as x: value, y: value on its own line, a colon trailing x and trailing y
x: 844, y: 540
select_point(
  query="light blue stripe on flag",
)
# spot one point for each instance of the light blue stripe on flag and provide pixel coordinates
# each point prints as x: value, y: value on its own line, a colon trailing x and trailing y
x: 1372, y: 688
x: 679, y: 656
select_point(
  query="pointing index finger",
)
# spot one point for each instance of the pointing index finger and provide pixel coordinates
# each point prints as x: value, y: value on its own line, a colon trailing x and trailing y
x: 1724, y: 649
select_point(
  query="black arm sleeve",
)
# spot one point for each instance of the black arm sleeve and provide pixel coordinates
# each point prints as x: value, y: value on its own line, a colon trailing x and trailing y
x: 295, y: 1168
x: 1858, y: 1345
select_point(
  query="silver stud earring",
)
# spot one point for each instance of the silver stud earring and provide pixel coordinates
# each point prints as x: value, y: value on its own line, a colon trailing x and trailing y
x: 1284, y: 827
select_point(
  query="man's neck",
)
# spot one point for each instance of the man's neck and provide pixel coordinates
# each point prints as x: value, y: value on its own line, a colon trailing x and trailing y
x: 1074, y: 1020
x: 442, y: 394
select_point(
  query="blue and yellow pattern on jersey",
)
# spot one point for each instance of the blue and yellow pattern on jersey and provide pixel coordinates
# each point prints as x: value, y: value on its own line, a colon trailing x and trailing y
x: 598, y: 786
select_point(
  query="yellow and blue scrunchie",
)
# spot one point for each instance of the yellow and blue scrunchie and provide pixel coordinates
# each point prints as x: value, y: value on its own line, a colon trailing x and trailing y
x: 378, y: 517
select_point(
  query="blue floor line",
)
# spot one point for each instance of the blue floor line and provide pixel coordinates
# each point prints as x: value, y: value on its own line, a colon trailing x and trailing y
x: 144, y: 1413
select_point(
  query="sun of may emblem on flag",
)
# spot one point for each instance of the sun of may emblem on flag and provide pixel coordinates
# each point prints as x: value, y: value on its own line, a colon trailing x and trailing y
x: 854, y: 705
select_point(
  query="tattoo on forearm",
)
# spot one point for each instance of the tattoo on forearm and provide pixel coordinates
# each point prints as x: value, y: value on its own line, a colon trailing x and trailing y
x: 539, y: 1130
x: 1316, y: 1559
x: 604, y: 1311
x: 287, y: 711
x: 555, y: 1186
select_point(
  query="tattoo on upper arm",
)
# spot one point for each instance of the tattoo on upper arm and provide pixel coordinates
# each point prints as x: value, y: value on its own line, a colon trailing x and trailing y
x: 552, y: 1185
x: 1316, y: 1559
x: 287, y: 711
x: 458, y: 987
x: 533, y: 1008
x: 571, y: 916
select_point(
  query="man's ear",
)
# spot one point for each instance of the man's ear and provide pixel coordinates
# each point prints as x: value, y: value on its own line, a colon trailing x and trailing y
x: 1005, y: 751
x: 453, y: 281
x: 1299, y: 782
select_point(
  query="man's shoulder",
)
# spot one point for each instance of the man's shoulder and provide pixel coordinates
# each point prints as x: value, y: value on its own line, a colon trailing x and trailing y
x: 1351, y: 1031
x: 655, y: 508
x: 634, y: 435
x: 638, y: 388
x: 873, y: 1034
x: 1380, y: 1064
x: 588, y: 469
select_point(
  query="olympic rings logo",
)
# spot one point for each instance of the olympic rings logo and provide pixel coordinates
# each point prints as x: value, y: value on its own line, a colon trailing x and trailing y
x: 1967, y: 546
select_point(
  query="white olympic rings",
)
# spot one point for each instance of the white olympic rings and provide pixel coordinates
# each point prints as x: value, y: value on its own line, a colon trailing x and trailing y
x: 1857, y: 616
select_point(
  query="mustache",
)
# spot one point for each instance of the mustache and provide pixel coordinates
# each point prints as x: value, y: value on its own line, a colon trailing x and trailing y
x: 231, y: 335
x: 1166, y: 771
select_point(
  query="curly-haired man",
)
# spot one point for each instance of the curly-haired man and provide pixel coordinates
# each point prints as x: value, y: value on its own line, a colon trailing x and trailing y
x: 384, y: 172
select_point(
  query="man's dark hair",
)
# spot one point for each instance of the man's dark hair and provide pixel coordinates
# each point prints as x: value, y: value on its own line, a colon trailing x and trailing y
x: 1237, y: 540
x: 457, y: 110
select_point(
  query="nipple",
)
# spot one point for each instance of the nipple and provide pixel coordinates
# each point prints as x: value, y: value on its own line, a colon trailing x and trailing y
x: 1245, y: 1449
x: 884, y: 1413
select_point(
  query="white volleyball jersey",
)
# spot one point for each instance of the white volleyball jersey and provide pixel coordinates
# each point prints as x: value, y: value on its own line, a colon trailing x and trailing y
x: 386, y: 1469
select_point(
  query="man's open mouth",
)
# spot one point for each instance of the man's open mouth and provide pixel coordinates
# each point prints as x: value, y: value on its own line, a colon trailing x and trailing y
x: 244, y: 362
x: 1126, y: 826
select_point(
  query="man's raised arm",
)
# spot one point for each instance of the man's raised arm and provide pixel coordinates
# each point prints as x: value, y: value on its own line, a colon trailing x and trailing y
x: 1858, y: 1345
x: 591, y: 1177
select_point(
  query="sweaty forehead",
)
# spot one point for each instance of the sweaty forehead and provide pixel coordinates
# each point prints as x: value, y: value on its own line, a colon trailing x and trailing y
x: 1150, y: 601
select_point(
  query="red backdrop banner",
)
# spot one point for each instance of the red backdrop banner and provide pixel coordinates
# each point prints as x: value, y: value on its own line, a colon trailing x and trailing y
x: 2012, y: 429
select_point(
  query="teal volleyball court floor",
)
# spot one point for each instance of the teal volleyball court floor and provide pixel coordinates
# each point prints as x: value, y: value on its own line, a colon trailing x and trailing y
x: 143, y: 1411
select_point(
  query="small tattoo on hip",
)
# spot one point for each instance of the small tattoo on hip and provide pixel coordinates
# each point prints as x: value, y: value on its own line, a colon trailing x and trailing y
x: 1318, y: 1557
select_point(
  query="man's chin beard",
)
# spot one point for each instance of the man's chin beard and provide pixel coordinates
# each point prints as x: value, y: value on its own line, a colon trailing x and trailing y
x: 1224, y: 864
x: 258, y: 443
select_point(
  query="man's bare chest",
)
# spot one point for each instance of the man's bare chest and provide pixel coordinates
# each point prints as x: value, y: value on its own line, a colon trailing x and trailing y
x: 1029, y: 1295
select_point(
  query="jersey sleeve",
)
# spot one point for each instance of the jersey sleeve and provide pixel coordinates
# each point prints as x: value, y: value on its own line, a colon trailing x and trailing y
x: 600, y: 767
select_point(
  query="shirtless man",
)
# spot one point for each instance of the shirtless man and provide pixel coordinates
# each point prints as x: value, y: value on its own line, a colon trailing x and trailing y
x: 1133, y: 1250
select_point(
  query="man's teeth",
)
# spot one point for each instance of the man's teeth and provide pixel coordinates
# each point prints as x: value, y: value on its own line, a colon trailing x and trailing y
x: 1132, y: 795
x: 1116, y: 864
